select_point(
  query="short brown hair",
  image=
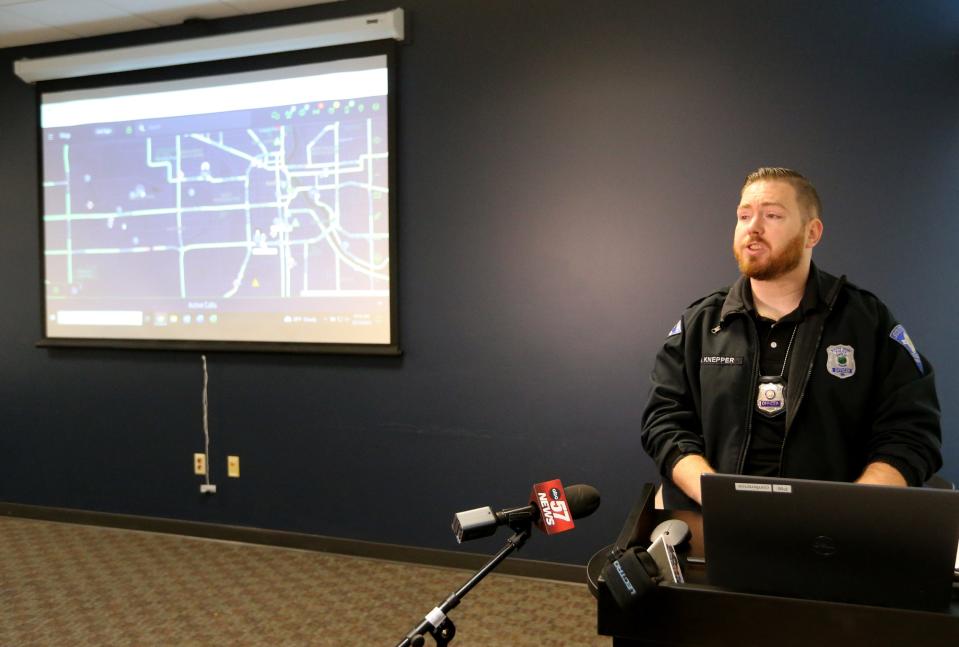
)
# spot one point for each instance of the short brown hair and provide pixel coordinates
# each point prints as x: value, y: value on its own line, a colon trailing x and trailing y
x: 805, y: 192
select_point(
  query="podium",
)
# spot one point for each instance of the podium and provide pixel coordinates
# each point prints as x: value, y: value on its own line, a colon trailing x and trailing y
x: 698, y: 614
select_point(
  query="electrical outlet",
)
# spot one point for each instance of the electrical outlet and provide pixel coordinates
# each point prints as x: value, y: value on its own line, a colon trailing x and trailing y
x: 199, y: 464
x: 233, y: 466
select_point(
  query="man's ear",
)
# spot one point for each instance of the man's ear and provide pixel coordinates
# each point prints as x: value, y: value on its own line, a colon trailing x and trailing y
x: 813, y: 232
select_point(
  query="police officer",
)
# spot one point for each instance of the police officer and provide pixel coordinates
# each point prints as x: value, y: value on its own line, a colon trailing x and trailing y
x: 790, y: 371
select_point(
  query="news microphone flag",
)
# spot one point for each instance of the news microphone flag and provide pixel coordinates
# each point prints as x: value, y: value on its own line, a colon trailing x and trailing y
x: 554, y: 513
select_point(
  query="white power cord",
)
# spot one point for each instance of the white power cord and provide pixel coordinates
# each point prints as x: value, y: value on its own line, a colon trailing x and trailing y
x: 206, y: 488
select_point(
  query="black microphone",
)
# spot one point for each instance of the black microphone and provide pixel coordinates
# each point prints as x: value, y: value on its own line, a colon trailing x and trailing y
x: 582, y: 501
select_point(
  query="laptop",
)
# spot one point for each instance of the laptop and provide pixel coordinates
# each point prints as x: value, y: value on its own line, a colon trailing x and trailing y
x: 864, y: 544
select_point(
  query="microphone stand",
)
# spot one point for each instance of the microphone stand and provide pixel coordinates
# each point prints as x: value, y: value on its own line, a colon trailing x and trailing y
x: 436, y: 622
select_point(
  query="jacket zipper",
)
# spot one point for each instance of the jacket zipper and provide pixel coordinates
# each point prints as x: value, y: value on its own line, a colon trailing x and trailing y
x: 812, y: 363
x: 750, y: 388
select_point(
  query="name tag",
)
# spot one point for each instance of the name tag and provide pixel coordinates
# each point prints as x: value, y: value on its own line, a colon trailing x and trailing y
x: 721, y: 360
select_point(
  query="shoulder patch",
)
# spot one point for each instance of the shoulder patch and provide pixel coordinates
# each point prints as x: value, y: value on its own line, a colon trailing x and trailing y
x: 900, y: 335
x: 675, y: 330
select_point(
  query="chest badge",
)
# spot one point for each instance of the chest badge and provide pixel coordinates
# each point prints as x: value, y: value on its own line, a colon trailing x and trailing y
x: 841, y: 361
x: 771, y: 396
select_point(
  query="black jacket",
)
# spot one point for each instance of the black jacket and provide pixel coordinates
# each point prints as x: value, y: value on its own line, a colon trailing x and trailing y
x: 704, y: 381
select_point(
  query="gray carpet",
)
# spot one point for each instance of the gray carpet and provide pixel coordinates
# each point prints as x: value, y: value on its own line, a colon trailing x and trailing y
x: 77, y: 586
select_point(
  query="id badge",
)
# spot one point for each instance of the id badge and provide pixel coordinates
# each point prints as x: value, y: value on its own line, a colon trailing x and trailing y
x: 771, y: 395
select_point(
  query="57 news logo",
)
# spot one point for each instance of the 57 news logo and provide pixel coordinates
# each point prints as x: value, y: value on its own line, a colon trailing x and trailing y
x: 554, y: 513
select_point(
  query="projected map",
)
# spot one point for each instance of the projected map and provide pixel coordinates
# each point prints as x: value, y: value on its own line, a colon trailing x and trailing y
x: 222, y: 221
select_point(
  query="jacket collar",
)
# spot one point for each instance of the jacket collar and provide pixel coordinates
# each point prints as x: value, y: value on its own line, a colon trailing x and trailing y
x: 822, y: 289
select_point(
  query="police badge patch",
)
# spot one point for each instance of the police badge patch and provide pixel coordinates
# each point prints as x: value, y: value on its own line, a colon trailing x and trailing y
x: 900, y: 335
x: 841, y: 361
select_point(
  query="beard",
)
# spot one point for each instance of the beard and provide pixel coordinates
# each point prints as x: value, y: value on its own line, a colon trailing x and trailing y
x: 773, y: 265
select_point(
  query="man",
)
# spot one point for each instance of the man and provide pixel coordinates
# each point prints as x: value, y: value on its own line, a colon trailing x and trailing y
x: 790, y: 371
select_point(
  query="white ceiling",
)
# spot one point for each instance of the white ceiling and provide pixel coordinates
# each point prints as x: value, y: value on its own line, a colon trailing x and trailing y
x: 24, y: 22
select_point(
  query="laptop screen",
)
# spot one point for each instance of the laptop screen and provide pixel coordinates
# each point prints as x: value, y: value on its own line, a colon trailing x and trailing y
x: 822, y: 540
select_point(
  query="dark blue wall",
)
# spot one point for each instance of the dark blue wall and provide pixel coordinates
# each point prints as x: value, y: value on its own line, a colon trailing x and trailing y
x: 568, y: 174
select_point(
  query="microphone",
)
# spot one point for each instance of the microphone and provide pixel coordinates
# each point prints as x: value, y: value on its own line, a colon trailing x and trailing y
x: 551, y: 508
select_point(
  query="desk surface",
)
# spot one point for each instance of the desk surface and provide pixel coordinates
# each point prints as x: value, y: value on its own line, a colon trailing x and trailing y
x: 698, y: 614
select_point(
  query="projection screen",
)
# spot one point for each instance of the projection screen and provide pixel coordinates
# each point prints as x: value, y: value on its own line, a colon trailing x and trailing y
x: 244, y: 208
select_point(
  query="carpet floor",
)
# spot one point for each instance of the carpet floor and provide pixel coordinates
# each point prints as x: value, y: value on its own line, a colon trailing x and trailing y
x: 71, y: 585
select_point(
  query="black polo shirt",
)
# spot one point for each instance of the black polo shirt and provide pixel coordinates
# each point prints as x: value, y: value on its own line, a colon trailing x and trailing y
x: 767, y: 434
